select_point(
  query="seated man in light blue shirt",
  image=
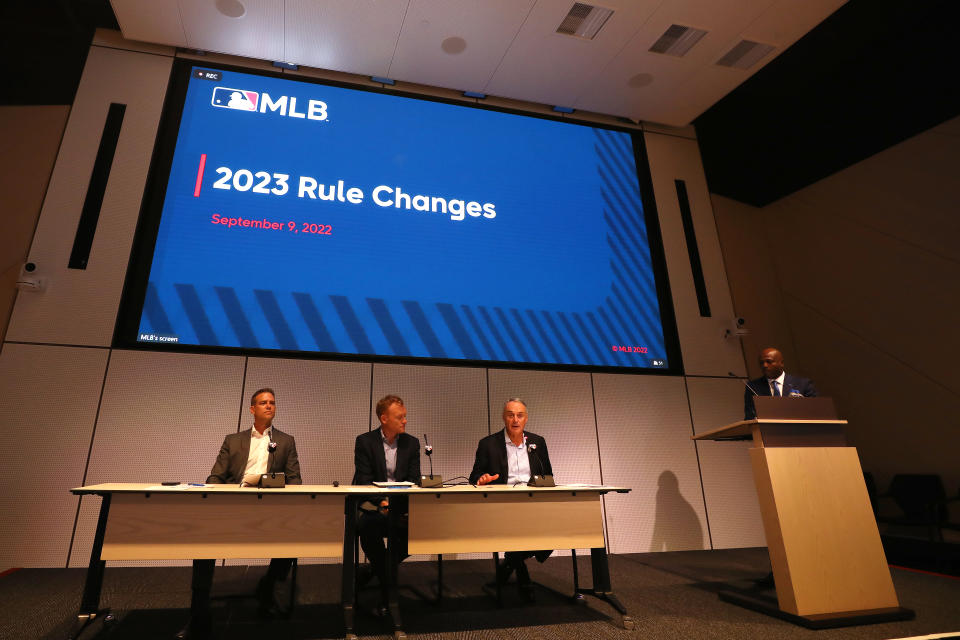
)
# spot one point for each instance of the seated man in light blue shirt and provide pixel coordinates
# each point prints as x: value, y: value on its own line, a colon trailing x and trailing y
x: 387, y: 454
x: 511, y: 456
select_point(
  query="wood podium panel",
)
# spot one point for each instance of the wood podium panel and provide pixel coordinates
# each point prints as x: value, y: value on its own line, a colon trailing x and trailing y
x: 162, y: 526
x: 825, y: 549
x: 512, y: 520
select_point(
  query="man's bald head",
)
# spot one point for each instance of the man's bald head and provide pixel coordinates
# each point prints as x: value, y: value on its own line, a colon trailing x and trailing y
x: 771, y: 361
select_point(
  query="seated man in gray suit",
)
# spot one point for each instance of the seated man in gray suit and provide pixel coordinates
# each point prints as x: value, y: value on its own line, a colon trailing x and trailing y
x: 511, y: 456
x: 774, y: 382
x: 243, y: 458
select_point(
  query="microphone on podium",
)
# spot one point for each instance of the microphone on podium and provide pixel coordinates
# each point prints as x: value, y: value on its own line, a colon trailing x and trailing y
x: 541, y: 480
x: 430, y: 481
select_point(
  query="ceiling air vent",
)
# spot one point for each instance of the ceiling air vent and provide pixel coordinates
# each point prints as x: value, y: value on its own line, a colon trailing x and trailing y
x: 584, y: 20
x: 746, y: 54
x: 677, y: 40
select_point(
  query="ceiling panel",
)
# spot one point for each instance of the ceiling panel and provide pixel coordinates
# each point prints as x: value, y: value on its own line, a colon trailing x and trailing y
x: 256, y: 34
x: 787, y: 20
x: 504, y: 48
x: 695, y: 95
x: 157, y: 21
x: 781, y: 24
x: 618, y: 89
x: 545, y: 66
x: 485, y: 28
x: 358, y: 36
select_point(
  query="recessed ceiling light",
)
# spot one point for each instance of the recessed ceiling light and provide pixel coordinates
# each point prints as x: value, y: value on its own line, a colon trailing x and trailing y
x: 677, y: 40
x: 454, y: 45
x: 584, y: 20
x: 745, y: 54
x: 231, y: 8
x: 640, y: 80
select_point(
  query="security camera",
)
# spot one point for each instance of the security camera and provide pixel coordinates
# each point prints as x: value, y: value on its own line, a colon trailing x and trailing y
x: 738, y: 328
x: 28, y: 280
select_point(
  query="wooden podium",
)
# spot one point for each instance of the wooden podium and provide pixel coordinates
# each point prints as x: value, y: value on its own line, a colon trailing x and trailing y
x: 828, y: 562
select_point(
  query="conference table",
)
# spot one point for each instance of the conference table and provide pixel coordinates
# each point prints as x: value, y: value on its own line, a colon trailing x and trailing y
x: 142, y: 521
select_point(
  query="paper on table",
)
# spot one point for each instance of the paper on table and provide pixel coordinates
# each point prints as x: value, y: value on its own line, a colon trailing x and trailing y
x: 183, y: 486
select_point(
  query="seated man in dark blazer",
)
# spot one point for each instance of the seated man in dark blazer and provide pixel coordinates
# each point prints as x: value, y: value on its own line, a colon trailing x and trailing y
x: 511, y: 456
x: 243, y: 458
x: 774, y: 382
x: 387, y: 454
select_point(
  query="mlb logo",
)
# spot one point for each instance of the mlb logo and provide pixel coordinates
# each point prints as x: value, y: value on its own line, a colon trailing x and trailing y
x: 235, y: 99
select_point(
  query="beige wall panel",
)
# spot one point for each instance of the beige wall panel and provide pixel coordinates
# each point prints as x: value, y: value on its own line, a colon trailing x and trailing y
x: 728, y: 486
x: 163, y: 417
x: 31, y: 137
x: 909, y: 191
x: 885, y: 290
x: 89, y: 297
x: 705, y: 350
x: 53, y: 393
x: 900, y: 420
x: 322, y: 404
x: 753, y: 281
x: 644, y: 428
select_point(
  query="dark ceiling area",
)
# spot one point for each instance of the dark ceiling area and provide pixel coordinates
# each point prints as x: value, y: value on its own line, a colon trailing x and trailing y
x: 874, y: 73
x: 44, y: 46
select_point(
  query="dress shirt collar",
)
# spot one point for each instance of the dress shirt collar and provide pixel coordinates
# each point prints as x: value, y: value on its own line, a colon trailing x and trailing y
x: 779, y: 380
x: 506, y: 437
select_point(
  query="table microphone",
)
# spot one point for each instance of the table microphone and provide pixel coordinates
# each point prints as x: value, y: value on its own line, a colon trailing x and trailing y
x: 430, y: 481
x: 541, y: 480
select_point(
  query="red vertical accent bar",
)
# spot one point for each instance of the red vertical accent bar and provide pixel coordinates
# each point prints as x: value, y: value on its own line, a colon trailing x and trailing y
x: 203, y: 163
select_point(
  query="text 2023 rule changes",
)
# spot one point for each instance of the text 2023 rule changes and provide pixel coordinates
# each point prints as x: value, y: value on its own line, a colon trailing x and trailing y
x: 300, y: 216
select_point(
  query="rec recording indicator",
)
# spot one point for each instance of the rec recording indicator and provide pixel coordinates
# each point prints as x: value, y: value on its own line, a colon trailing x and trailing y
x: 205, y: 74
x: 303, y: 217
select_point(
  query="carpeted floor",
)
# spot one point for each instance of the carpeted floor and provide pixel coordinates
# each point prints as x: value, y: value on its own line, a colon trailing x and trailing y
x: 668, y: 595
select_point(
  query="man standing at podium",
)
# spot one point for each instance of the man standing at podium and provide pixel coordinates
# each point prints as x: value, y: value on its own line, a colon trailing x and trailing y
x: 774, y: 382
x: 243, y: 458
x: 511, y: 456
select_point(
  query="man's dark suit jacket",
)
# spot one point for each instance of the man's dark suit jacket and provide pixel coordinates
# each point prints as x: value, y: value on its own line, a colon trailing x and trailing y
x: 370, y: 464
x: 803, y: 386
x: 232, y: 459
x: 492, y: 457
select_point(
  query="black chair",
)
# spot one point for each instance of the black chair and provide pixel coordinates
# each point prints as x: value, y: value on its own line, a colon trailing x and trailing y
x: 414, y: 590
x: 292, y: 577
x: 922, y: 501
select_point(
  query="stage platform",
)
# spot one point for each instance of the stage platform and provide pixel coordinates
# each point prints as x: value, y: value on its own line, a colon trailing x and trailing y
x: 670, y: 595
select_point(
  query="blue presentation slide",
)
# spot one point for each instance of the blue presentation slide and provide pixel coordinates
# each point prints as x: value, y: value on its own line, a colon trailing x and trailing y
x: 305, y: 217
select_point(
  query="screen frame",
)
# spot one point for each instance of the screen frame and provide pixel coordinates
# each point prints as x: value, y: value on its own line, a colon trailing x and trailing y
x: 145, y: 237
